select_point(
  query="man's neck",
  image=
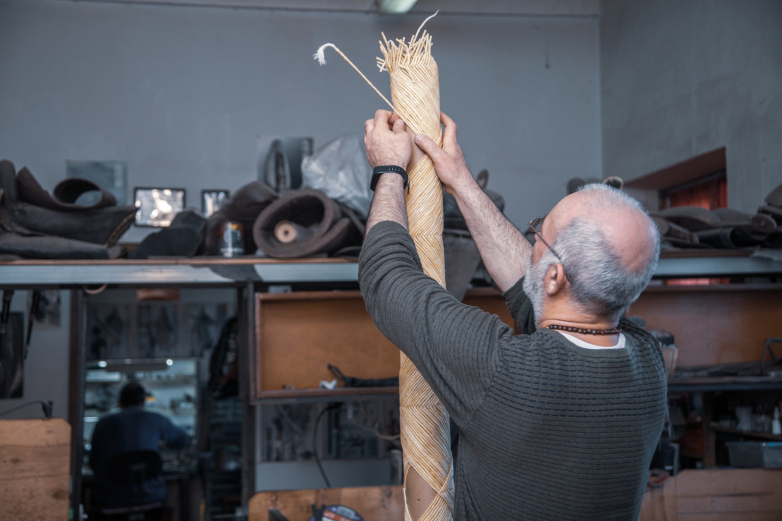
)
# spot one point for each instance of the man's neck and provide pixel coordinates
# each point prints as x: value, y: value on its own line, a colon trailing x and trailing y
x: 583, y: 322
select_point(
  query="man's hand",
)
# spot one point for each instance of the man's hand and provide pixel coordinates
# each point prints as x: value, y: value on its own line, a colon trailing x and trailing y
x: 448, y: 161
x: 386, y: 140
x: 387, y: 144
x: 504, y: 250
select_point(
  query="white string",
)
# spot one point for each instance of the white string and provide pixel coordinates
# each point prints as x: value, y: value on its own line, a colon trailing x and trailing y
x: 321, y: 57
x: 422, y: 25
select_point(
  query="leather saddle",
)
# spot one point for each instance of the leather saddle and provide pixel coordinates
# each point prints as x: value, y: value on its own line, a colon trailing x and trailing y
x: 39, y: 225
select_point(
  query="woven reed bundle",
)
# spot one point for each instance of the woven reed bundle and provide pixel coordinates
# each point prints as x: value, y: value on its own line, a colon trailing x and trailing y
x: 415, y: 92
x: 425, y: 431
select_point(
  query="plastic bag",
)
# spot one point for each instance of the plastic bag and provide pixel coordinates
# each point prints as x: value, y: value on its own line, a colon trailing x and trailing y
x: 340, y: 169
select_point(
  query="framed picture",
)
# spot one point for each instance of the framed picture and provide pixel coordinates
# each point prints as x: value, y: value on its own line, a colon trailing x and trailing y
x: 212, y: 200
x: 158, y: 206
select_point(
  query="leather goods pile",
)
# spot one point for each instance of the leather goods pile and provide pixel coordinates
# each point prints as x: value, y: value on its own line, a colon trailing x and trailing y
x: 696, y: 227
x: 37, y: 225
x: 296, y: 223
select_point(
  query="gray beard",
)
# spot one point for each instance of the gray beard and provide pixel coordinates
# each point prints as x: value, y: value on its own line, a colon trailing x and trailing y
x: 533, y: 283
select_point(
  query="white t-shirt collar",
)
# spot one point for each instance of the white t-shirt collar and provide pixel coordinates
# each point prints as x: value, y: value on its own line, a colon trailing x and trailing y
x: 587, y: 345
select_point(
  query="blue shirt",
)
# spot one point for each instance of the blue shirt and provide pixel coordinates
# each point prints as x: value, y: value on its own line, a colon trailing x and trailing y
x: 132, y: 429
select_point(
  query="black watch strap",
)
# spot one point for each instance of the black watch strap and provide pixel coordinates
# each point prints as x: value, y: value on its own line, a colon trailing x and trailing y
x: 389, y: 169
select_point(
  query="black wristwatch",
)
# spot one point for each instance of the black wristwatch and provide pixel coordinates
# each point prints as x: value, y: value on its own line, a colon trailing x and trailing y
x: 389, y: 169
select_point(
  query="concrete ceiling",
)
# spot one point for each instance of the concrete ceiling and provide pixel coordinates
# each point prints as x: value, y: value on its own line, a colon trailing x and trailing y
x: 565, y: 8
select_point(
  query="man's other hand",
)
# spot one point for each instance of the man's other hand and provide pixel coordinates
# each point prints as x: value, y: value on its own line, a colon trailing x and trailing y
x: 386, y: 140
x: 448, y: 161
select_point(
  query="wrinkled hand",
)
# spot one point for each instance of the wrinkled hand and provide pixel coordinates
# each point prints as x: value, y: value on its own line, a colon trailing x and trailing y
x: 448, y: 161
x: 386, y: 140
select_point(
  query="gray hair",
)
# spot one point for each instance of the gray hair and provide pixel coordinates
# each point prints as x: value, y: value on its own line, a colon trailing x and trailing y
x: 600, y: 282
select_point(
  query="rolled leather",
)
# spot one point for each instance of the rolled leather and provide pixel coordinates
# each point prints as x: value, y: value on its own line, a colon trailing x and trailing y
x: 45, y: 247
x: 337, y: 226
x: 37, y: 232
x: 675, y: 234
x: 693, y: 218
x: 730, y: 238
x: 99, y: 226
x: 66, y: 192
x: 758, y: 224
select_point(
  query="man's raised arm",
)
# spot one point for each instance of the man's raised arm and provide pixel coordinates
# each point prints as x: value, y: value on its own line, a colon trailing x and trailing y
x: 387, y: 143
x: 504, y: 250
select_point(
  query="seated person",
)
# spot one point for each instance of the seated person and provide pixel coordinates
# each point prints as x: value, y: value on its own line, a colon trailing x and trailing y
x: 131, y: 430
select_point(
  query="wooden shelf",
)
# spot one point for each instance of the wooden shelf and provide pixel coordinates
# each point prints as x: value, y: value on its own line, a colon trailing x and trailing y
x: 167, y: 261
x: 210, y: 271
x: 704, y: 252
x: 724, y: 383
x: 325, y: 393
x: 674, y: 288
x: 298, y: 335
x: 203, y: 271
x: 715, y: 265
x: 716, y: 427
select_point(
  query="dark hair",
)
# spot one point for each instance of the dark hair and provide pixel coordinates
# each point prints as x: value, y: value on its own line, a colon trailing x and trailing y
x: 131, y: 395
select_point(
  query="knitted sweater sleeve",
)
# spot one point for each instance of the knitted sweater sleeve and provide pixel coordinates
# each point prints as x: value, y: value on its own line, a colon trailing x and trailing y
x: 455, y: 347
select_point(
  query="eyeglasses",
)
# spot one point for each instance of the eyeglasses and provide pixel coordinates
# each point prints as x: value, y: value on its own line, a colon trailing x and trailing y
x: 534, y: 227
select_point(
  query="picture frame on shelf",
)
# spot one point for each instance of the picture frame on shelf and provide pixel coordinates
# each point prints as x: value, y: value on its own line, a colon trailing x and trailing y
x: 212, y: 200
x: 157, y: 207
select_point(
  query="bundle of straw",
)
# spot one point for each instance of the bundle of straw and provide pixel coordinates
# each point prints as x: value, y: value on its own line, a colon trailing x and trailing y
x: 425, y: 431
x: 415, y: 92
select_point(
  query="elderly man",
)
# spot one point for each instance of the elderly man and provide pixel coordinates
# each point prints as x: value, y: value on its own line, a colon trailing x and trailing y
x: 561, y: 421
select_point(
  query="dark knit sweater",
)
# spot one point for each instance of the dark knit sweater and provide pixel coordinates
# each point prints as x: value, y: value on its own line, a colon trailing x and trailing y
x: 549, y: 430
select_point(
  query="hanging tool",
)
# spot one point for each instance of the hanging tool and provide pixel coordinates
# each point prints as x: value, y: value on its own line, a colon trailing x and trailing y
x: 35, y: 301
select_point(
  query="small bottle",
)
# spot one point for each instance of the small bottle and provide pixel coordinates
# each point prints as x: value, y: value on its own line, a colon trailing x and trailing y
x: 776, y: 426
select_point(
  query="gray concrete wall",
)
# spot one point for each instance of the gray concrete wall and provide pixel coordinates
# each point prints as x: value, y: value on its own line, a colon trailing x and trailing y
x: 183, y: 93
x: 682, y: 78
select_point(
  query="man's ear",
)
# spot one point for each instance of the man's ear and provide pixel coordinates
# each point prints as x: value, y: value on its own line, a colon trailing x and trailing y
x: 554, y: 280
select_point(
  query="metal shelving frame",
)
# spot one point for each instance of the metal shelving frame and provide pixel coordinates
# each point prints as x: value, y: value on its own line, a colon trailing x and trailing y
x: 206, y: 271
x: 246, y: 275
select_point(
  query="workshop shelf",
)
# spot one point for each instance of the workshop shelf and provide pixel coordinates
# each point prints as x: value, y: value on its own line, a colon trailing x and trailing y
x: 716, y: 427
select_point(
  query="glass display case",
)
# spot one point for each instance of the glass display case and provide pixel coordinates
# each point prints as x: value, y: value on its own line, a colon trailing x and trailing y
x: 172, y: 390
